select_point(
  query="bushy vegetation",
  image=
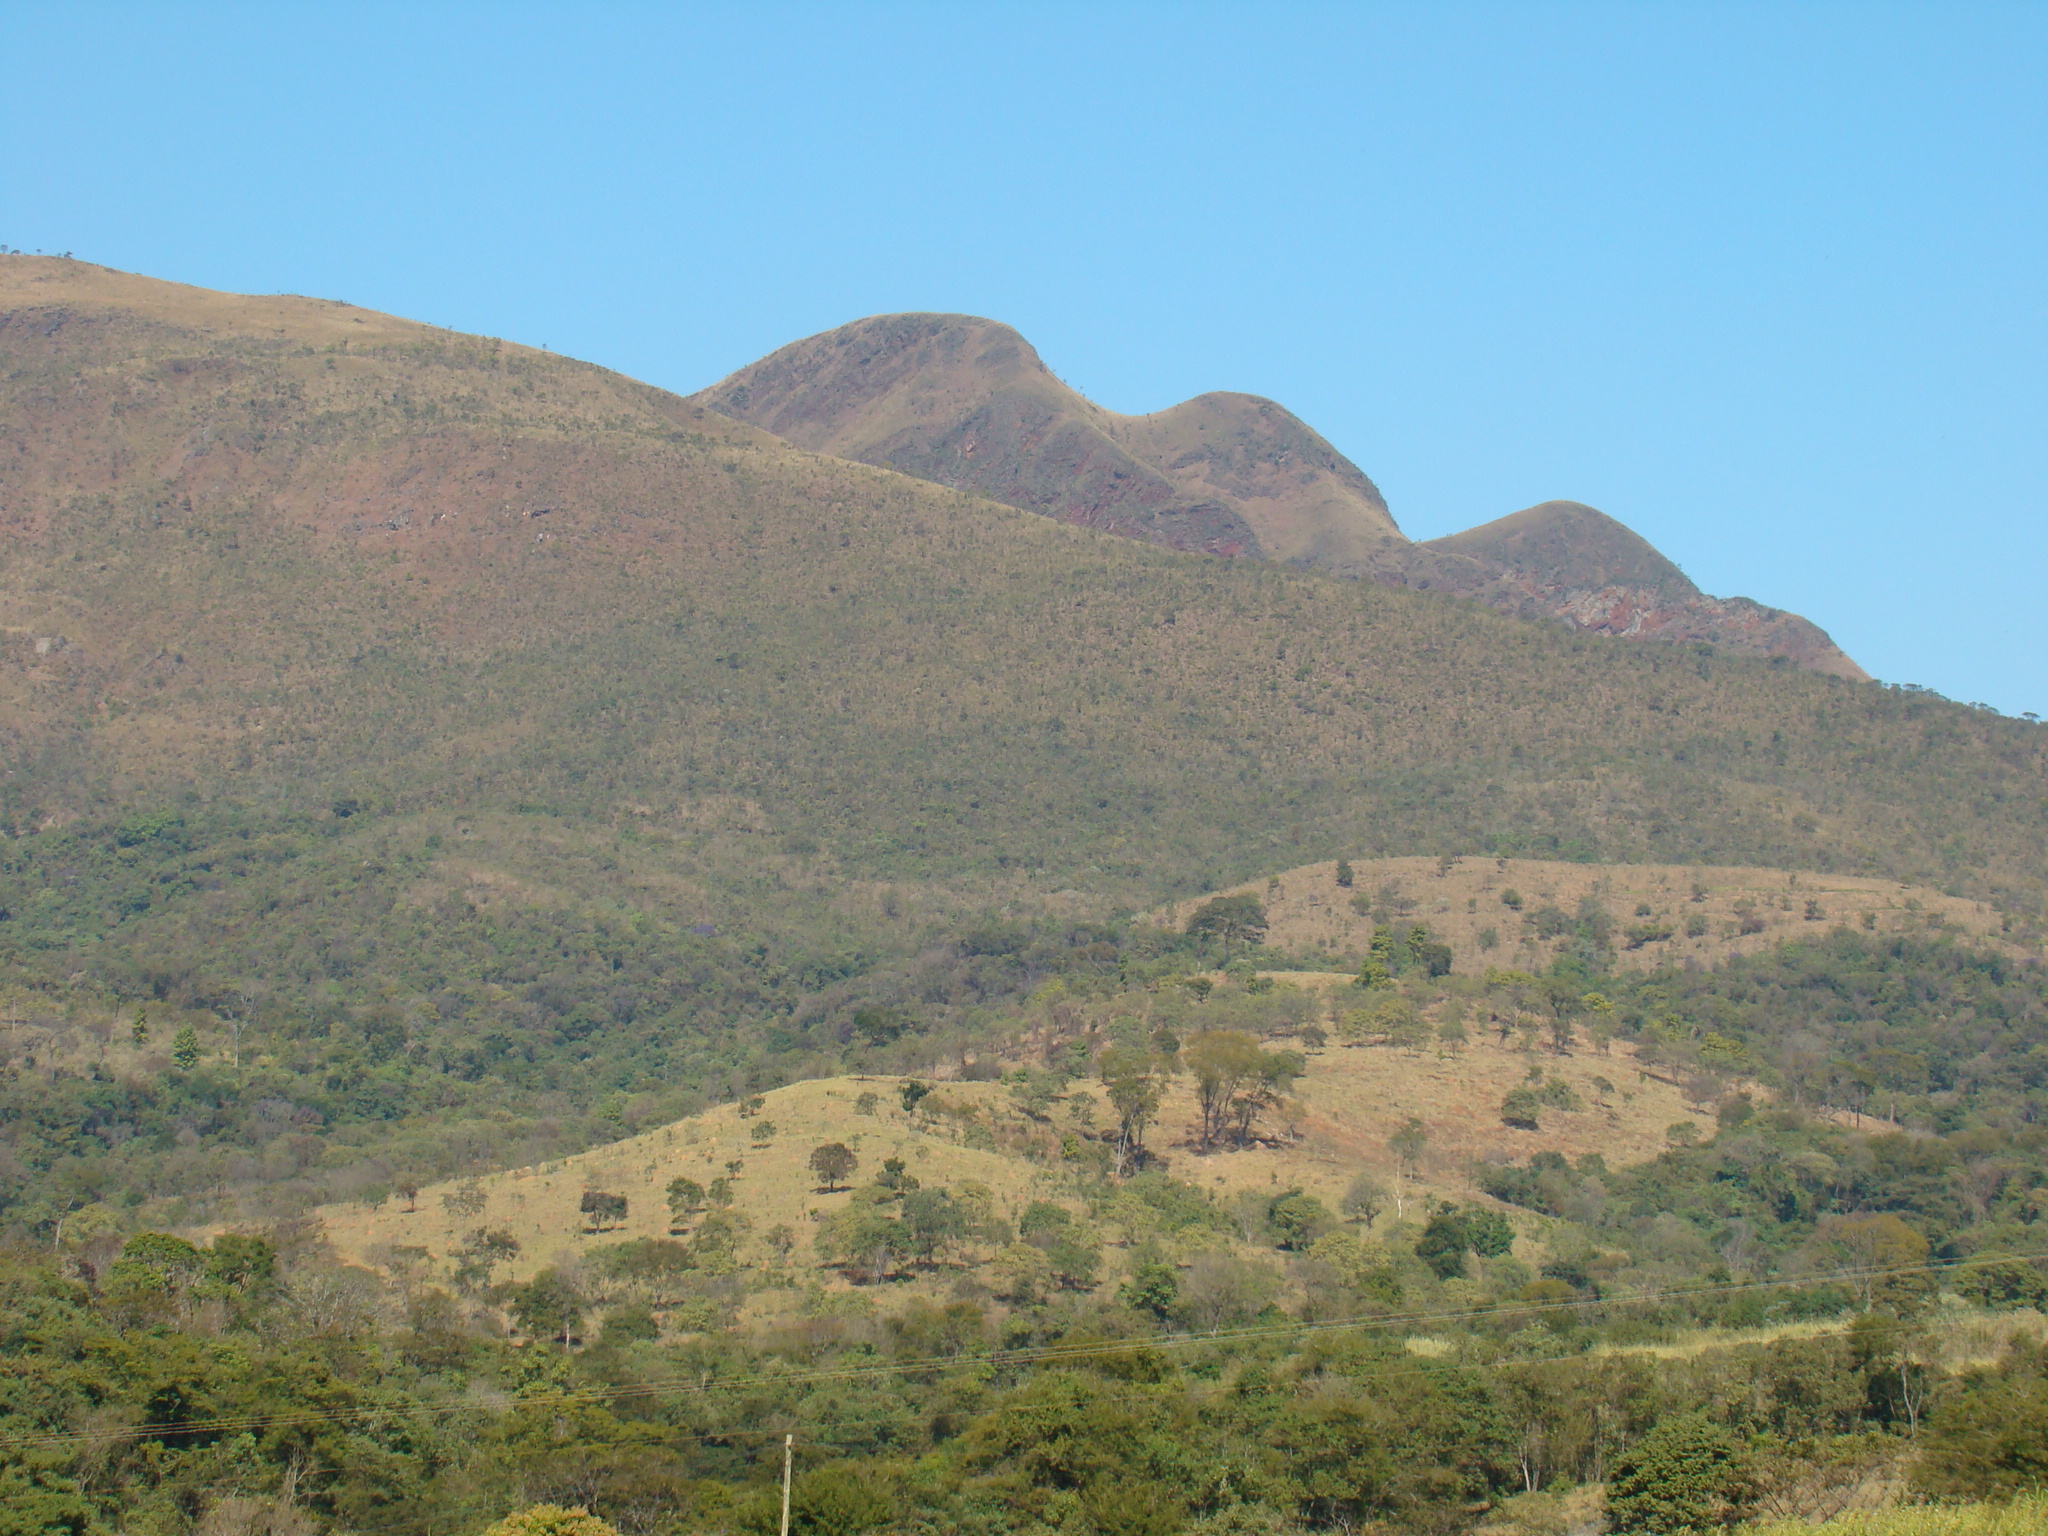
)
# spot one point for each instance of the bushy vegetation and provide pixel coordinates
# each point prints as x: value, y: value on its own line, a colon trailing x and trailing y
x: 422, y: 756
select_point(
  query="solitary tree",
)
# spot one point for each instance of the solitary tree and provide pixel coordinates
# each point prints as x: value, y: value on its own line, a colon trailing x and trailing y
x: 1365, y: 1199
x: 185, y: 1049
x: 603, y: 1209
x: 685, y: 1195
x: 1132, y: 1078
x: 1231, y: 920
x: 1406, y: 1144
x: 833, y: 1162
x: 1223, y: 1062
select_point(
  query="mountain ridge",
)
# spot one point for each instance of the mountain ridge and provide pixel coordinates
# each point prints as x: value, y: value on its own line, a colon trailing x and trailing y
x: 280, y: 551
x: 967, y: 402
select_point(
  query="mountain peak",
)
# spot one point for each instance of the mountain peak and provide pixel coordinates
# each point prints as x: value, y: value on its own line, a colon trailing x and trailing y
x: 1567, y: 543
x: 967, y: 402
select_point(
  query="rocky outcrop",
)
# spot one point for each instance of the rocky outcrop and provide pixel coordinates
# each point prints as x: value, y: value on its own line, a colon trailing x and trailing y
x: 967, y: 402
x: 1566, y: 561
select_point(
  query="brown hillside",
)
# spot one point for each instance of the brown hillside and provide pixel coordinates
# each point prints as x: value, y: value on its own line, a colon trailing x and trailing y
x: 1564, y: 560
x: 276, y: 551
x: 1309, y: 911
x: 967, y: 402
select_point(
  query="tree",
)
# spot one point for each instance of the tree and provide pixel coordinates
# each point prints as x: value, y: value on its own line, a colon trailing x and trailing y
x: 604, y: 1209
x: 1365, y: 1199
x: 935, y: 1221
x: 1235, y: 1080
x: 1074, y: 1255
x: 1521, y: 1108
x: 864, y: 1238
x: 1881, y: 1257
x: 185, y: 1049
x: 833, y: 1162
x: 1132, y: 1078
x: 1429, y: 954
x: 1406, y: 1144
x: 1492, y: 1234
x: 718, y: 1238
x: 1221, y: 1061
x: 552, y: 1520
x: 1444, y: 1243
x: 547, y: 1306
x: 1153, y: 1287
x: 1297, y: 1220
x: 912, y: 1093
x: 1229, y: 920
x: 1344, y: 873
x: 1686, y: 1475
x: 685, y: 1195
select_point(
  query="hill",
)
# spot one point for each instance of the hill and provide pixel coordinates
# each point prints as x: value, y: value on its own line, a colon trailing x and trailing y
x: 478, y: 750
x: 1564, y: 560
x: 968, y: 403
x: 1523, y: 913
x: 1346, y: 1106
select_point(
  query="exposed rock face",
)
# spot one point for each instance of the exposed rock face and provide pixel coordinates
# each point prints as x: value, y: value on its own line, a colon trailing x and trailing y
x: 1567, y: 561
x: 966, y: 402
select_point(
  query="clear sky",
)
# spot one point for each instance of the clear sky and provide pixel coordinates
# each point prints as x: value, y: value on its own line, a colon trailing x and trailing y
x: 1764, y: 281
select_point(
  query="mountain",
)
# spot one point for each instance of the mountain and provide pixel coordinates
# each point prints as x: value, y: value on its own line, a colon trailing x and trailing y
x: 968, y: 403
x: 284, y: 551
x: 445, y: 691
x: 1564, y: 560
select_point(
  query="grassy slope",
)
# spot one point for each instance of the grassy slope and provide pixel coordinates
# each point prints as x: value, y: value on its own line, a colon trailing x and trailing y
x: 1347, y: 1105
x: 243, y: 565
x: 1309, y: 912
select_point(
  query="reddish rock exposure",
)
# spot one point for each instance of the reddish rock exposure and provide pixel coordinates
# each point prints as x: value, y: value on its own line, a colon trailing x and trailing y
x: 967, y: 403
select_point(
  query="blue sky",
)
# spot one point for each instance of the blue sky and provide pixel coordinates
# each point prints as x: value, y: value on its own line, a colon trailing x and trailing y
x: 1766, y: 281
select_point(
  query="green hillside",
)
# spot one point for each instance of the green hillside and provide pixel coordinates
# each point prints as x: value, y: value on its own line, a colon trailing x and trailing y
x: 467, y: 726
x: 252, y: 558
x: 552, y: 942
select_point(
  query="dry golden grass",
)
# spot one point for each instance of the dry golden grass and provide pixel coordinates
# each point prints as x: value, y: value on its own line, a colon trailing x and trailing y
x: 539, y: 1205
x: 2025, y: 1516
x: 1347, y: 1105
x: 1308, y: 911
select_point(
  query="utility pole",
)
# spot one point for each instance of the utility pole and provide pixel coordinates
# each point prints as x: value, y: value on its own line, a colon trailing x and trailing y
x: 788, y: 1451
